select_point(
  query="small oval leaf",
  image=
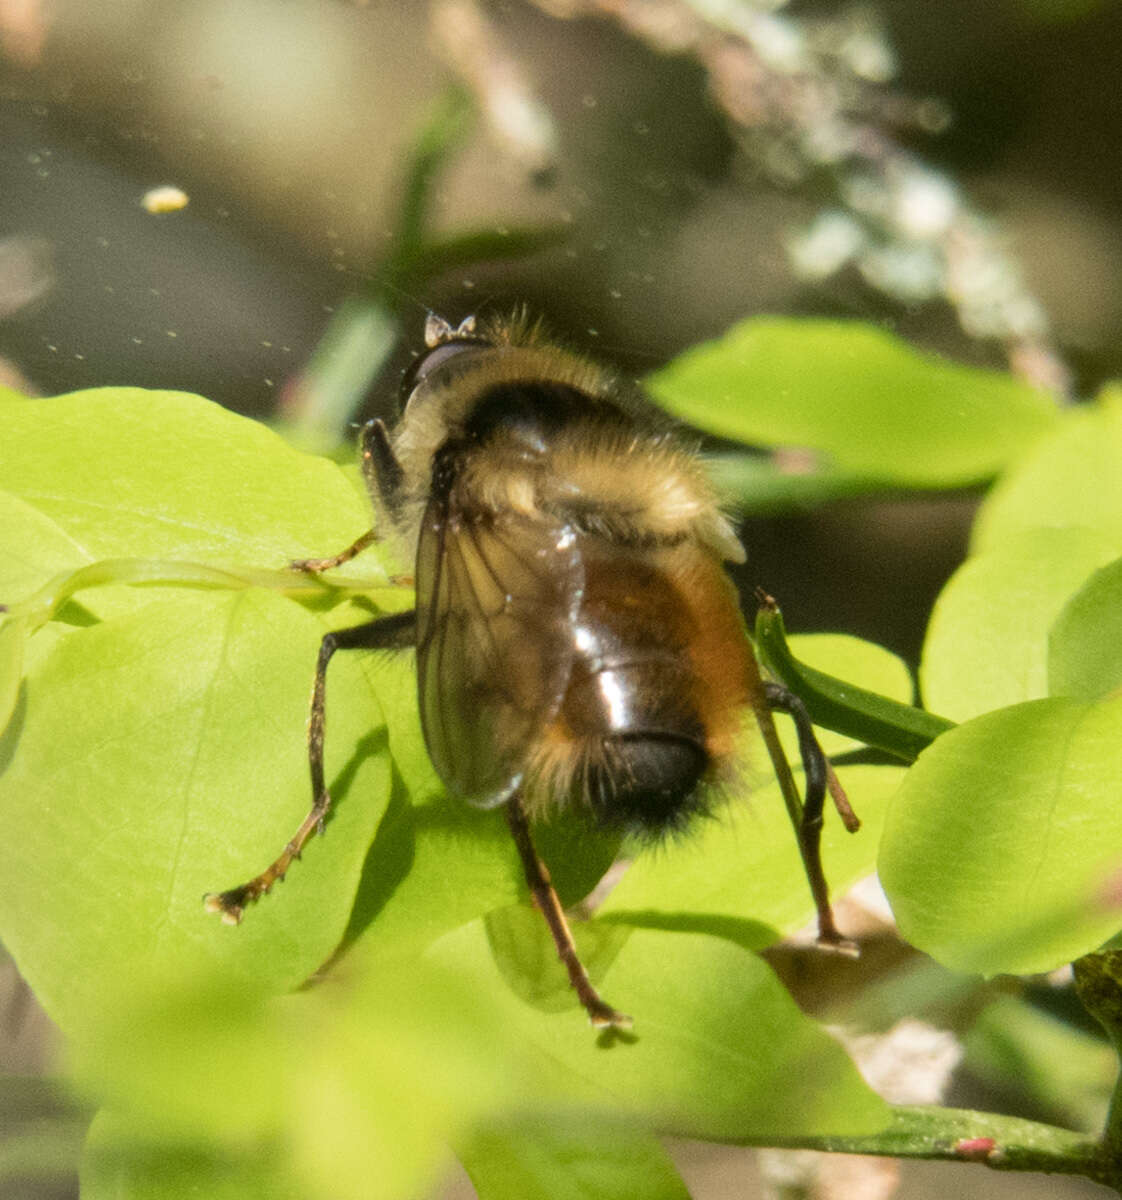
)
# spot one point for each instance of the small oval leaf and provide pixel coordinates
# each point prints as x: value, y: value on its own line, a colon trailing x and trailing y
x: 987, y: 642
x: 1000, y: 842
x: 1085, y: 646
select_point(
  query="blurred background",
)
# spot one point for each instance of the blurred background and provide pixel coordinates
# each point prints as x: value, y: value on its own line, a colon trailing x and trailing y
x: 642, y: 172
x: 948, y: 170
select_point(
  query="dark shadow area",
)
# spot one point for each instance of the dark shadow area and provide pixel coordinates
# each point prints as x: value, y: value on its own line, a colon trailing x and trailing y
x: 749, y: 935
x: 388, y: 862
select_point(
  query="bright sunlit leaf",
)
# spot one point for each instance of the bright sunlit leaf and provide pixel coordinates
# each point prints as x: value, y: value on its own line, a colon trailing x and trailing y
x: 718, y: 1050
x: 865, y: 400
x: 162, y: 756
x: 1085, y: 645
x: 987, y: 641
x: 1071, y: 478
x: 739, y: 875
x: 1001, y: 844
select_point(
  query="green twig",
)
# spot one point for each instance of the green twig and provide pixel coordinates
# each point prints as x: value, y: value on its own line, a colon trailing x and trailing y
x: 483, y: 245
x: 833, y: 704
x: 960, y: 1135
x: 44, y: 604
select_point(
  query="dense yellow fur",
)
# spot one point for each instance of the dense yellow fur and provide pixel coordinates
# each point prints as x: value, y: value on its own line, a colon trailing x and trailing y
x: 641, y: 484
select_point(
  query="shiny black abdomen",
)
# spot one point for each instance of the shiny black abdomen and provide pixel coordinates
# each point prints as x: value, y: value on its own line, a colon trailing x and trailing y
x: 632, y: 698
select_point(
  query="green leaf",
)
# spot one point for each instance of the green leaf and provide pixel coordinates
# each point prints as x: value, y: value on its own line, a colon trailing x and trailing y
x: 404, y: 1062
x: 740, y: 875
x: 435, y: 866
x: 869, y: 717
x: 762, y: 484
x: 13, y: 639
x: 862, y: 398
x: 431, y: 868
x: 864, y: 663
x: 718, y: 1050
x: 1085, y: 645
x: 369, y: 1076
x: 344, y: 1091
x: 1001, y: 839
x: 529, y: 963
x: 987, y: 642
x: 1070, y: 478
x: 568, y: 1157
x: 123, y: 472
x: 161, y: 756
x: 119, y: 1165
x: 35, y: 547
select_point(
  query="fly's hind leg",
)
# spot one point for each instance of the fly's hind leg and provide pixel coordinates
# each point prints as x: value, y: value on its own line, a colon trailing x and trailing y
x: 819, y: 776
x: 600, y: 1013
x: 386, y: 633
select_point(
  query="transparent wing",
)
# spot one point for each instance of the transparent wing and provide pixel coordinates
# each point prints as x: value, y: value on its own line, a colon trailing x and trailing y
x: 497, y: 598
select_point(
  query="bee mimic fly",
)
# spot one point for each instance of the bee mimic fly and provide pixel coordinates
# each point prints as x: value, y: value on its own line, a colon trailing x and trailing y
x: 578, y: 641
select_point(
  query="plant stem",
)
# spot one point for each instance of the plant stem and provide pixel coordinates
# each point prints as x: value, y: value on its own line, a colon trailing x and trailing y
x: 961, y: 1135
x: 45, y: 603
x: 875, y: 720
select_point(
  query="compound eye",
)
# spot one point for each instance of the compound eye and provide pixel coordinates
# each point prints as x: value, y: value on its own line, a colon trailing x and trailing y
x: 438, y: 358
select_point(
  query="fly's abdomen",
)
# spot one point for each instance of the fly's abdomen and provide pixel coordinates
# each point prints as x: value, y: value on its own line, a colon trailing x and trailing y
x: 642, y: 744
x: 642, y: 727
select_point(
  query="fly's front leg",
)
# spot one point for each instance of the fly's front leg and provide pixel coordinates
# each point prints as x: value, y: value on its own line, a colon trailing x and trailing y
x: 600, y: 1013
x: 315, y: 565
x: 384, y: 479
x: 819, y: 775
x: 383, y: 473
x: 386, y: 633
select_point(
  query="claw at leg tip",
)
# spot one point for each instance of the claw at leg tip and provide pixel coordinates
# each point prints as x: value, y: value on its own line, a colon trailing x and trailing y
x: 841, y: 945
x: 231, y: 914
x: 610, y: 1020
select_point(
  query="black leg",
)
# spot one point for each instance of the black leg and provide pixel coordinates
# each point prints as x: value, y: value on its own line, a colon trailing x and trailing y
x: 380, y: 468
x: 384, y: 478
x: 601, y: 1015
x: 819, y: 775
x: 386, y: 633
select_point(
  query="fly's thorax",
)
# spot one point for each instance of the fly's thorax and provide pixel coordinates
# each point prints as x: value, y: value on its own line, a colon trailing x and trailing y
x: 590, y: 466
x: 639, y: 486
x: 500, y: 419
x: 442, y: 408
